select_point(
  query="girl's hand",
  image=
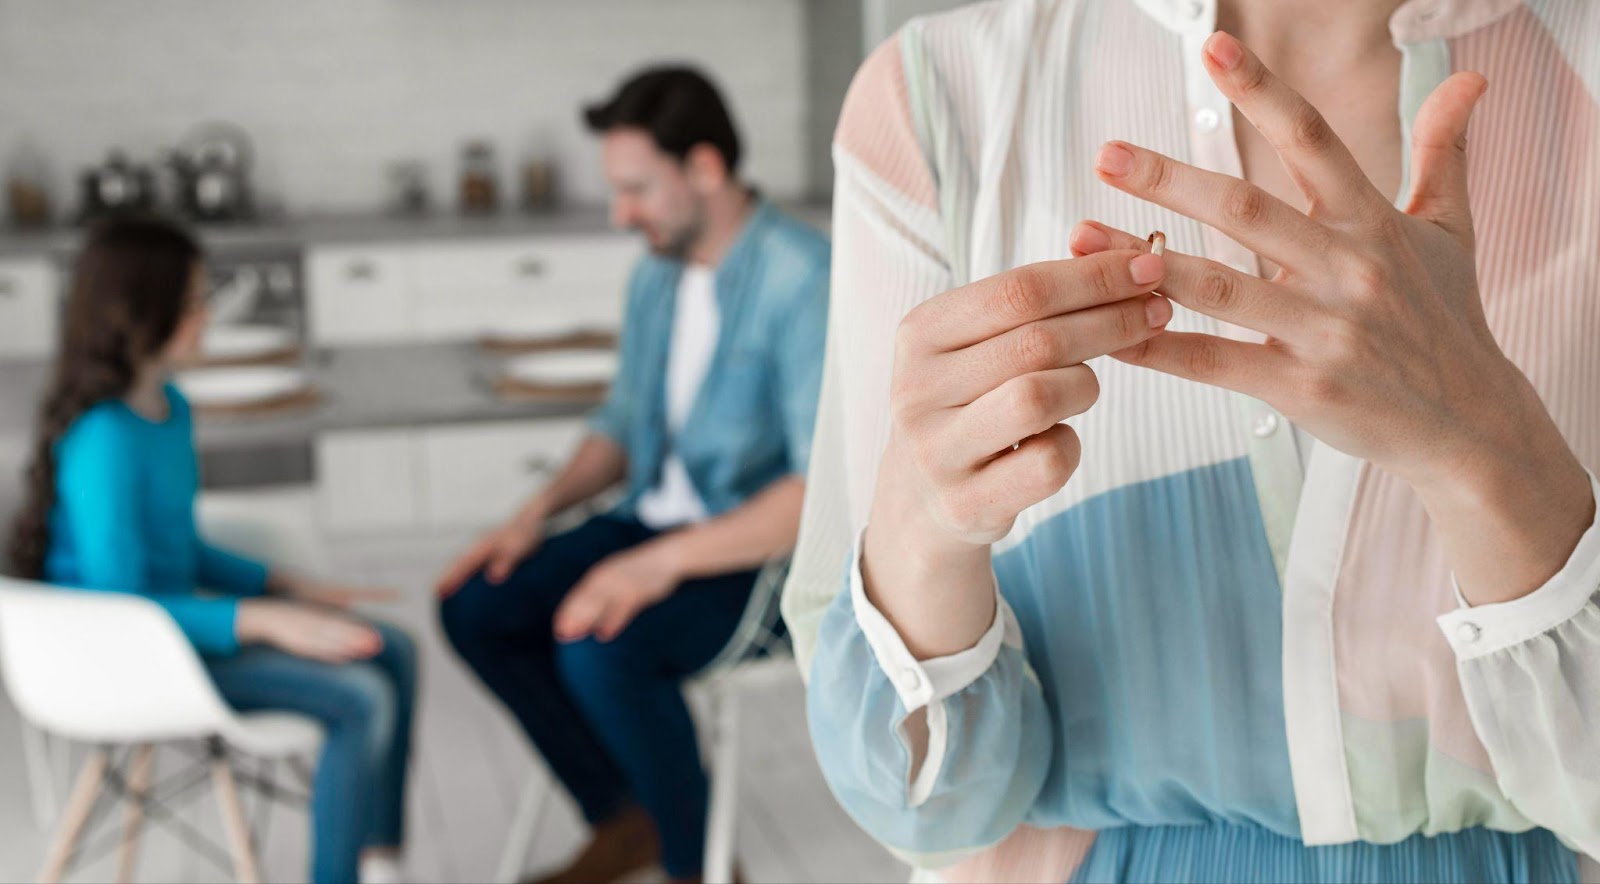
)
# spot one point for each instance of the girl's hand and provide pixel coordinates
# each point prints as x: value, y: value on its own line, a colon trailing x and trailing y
x: 313, y: 633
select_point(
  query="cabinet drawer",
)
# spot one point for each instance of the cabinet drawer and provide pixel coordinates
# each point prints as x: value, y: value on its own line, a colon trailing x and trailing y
x: 360, y: 295
x: 553, y: 283
x: 29, y: 308
x: 367, y: 480
x: 479, y: 474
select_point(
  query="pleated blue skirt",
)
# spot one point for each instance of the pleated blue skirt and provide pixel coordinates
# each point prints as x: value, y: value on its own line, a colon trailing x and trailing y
x: 1242, y: 853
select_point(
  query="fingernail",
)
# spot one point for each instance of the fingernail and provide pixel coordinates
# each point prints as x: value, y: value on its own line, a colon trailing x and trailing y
x: 1146, y: 268
x: 1089, y: 239
x: 1114, y: 159
x: 1224, y: 50
x: 1158, y: 310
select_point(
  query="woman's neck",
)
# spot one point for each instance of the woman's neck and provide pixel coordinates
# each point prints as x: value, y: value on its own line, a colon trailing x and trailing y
x: 1310, y: 34
x: 148, y: 395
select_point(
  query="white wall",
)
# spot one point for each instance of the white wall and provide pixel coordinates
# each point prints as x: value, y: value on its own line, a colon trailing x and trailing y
x: 332, y: 91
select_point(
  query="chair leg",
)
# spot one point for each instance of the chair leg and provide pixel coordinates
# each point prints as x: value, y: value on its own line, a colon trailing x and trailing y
x: 531, y: 806
x: 41, y: 774
x: 722, y: 815
x: 138, y: 789
x: 245, y: 867
x: 80, y: 804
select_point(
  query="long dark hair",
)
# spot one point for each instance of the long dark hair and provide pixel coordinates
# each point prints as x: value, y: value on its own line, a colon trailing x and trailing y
x: 129, y: 293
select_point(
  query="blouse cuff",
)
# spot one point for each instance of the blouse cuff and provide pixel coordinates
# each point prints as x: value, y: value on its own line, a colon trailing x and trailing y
x: 1477, y: 631
x: 921, y: 683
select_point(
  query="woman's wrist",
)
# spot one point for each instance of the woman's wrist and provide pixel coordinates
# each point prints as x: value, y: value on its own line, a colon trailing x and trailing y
x: 1510, y: 501
x: 936, y: 591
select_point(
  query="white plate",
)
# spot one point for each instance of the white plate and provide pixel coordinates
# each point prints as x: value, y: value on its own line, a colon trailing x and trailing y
x: 562, y: 368
x: 244, y: 341
x: 520, y: 331
x: 240, y: 386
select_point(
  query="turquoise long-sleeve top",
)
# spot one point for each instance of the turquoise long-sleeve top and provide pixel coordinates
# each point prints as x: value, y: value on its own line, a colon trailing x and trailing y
x: 124, y: 521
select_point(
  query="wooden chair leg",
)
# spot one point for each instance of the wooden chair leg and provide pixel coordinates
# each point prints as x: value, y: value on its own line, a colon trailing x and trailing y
x: 79, y: 805
x: 245, y: 867
x: 138, y: 789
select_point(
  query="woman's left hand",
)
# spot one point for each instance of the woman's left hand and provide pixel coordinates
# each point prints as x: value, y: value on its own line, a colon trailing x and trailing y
x: 1376, y: 339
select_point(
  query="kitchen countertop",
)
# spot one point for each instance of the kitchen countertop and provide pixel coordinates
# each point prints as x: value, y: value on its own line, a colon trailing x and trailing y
x: 402, y: 385
x: 371, y: 228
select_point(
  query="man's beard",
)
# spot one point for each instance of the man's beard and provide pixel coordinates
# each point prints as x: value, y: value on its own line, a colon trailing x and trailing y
x: 684, y: 238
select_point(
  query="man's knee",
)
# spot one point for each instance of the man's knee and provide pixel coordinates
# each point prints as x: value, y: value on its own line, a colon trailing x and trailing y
x: 593, y: 670
x: 468, y: 614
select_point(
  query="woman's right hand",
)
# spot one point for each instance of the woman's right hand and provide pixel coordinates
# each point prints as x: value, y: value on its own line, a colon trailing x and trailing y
x: 976, y: 370
x: 306, y: 631
x: 496, y: 553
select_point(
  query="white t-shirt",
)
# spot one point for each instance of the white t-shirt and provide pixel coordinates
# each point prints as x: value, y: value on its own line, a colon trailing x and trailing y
x: 695, y: 324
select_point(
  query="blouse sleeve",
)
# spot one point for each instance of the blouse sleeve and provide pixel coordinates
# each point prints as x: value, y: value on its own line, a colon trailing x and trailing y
x: 934, y: 758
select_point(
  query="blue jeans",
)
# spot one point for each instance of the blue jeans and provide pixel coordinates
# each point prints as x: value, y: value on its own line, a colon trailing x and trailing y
x: 358, y: 796
x: 608, y: 717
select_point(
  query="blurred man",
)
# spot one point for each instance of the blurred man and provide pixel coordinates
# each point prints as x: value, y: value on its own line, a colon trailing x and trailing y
x: 587, y: 636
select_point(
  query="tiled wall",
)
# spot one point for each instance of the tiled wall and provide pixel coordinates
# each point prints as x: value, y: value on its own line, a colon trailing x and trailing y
x: 332, y: 91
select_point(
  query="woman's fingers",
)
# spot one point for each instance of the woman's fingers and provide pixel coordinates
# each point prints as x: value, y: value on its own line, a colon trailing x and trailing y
x: 1051, y: 343
x: 989, y: 307
x: 1210, y: 287
x: 1317, y: 159
x: 1256, y: 219
x: 1257, y: 370
x: 989, y: 501
x: 1021, y: 407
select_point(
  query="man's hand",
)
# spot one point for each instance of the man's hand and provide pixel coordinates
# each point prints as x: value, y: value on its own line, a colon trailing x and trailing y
x: 1376, y: 339
x: 496, y: 554
x: 617, y: 589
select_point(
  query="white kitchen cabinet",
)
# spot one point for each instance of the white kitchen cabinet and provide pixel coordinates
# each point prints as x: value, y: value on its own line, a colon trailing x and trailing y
x: 29, y: 308
x: 368, y: 481
x: 549, y: 284
x: 360, y: 295
x: 461, y: 289
x: 478, y: 474
x: 453, y: 476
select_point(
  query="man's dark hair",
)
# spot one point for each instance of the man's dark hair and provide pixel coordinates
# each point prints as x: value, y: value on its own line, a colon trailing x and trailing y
x: 677, y: 106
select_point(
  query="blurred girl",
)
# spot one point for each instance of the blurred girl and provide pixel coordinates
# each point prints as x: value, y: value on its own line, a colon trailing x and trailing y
x: 110, y: 506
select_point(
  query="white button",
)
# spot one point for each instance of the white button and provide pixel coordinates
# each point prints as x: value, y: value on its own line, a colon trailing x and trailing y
x: 1207, y: 119
x: 1468, y: 633
x: 909, y: 680
x: 1265, y: 425
x: 1195, y: 8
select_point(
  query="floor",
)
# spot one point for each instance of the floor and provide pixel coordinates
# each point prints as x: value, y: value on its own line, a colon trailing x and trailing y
x: 470, y: 767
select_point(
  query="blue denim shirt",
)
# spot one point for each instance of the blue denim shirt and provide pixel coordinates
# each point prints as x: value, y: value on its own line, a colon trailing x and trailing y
x: 751, y: 420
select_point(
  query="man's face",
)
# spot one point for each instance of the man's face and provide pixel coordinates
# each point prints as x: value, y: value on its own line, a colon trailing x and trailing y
x: 651, y: 192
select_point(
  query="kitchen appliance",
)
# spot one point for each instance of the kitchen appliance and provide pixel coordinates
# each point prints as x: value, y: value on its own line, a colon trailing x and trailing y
x: 213, y: 174
x: 116, y: 186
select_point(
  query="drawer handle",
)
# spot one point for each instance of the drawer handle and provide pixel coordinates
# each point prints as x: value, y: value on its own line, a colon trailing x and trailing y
x: 359, y: 270
x: 530, y: 268
x: 539, y: 465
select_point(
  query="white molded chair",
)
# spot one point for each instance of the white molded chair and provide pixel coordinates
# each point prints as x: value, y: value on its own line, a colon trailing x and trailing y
x: 757, y: 652
x: 112, y: 670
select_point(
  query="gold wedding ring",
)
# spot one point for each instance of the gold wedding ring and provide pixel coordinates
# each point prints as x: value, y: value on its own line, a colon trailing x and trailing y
x: 1158, y: 242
